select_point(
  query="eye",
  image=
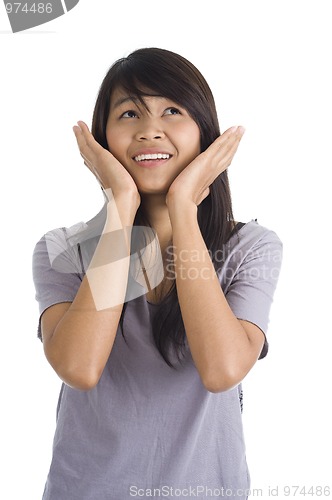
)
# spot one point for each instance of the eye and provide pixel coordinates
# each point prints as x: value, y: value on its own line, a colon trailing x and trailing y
x: 172, y: 111
x: 129, y: 114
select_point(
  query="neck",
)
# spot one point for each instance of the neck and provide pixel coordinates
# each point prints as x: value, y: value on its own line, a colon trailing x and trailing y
x: 155, y: 209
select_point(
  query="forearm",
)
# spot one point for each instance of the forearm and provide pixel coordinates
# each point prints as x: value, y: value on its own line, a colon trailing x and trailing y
x: 81, y: 343
x: 218, y: 342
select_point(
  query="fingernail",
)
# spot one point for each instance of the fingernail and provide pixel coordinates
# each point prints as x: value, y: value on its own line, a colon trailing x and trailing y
x: 241, y: 130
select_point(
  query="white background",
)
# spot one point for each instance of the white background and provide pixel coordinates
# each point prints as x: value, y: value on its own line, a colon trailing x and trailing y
x: 269, y: 66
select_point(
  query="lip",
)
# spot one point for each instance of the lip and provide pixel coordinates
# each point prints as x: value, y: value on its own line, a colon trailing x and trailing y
x: 151, y: 163
x: 151, y: 151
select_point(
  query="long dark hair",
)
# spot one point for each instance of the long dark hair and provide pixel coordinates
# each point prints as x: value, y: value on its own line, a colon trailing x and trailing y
x: 170, y: 75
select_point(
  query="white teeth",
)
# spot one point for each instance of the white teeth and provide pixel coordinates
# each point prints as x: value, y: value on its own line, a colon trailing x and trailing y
x: 156, y: 156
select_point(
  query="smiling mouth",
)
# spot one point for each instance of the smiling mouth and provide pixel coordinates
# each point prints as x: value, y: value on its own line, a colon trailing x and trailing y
x: 155, y: 156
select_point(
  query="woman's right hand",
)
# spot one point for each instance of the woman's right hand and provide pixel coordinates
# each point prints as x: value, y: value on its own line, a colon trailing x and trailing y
x: 110, y: 173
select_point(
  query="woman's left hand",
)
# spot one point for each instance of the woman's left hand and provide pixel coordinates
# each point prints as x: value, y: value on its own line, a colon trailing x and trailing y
x: 192, y: 184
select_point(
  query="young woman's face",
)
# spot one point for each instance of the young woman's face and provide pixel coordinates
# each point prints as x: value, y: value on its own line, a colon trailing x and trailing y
x: 135, y: 135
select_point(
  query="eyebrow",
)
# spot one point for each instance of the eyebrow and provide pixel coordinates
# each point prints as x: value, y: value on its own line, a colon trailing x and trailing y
x: 134, y: 100
x: 122, y: 100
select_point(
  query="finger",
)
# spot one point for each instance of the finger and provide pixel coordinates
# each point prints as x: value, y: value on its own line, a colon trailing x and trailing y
x: 83, y: 147
x: 222, y: 145
x: 92, y: 169
x: 85, y: 139
x: 81, y: 128
x: 80, y: 138
x: 226, y: 145
x: 86, y: 151
x: 87, y: 144
x: 225, y: 157
x: 221, y: 153
x: 234, y: 131
x: 89, y: 139
x: 87, y: 163
x: 82, y: 125
x: 233, y: 134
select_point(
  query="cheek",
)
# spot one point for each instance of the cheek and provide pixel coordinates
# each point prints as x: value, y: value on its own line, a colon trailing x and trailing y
x: 197, y: 138
x: 111, y: 139
x: 190, y: 132
x: 115, y: 144
x: 118, y: 146
x: 192, y: 139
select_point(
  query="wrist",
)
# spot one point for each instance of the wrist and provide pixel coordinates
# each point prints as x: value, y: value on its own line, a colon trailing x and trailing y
x: 129, y: 198
x: 181, y: 209
x: 120, y: 213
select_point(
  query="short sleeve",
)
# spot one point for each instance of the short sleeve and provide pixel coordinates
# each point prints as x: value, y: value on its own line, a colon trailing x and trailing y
x: 57, y: 274
x: 250, y: 274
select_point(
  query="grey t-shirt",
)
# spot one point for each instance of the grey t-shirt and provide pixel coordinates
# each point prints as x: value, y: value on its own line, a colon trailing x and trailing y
x: 148, y: 430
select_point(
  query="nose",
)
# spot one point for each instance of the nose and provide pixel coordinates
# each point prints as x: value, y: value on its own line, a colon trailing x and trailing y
x: 149, y: 129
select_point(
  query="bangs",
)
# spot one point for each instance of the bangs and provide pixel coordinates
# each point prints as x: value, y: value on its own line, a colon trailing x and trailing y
x: 143, y: 77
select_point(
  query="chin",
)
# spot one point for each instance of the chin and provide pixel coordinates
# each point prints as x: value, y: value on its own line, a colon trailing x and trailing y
x: 153, y: 189
x: 153, y: 192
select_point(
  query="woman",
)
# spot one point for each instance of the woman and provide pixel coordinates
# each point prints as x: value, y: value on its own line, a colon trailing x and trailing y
x: 154, y: 312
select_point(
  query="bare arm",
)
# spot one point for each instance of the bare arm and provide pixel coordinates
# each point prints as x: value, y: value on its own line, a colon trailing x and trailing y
x: 223, y: 348
x: 79, y: 337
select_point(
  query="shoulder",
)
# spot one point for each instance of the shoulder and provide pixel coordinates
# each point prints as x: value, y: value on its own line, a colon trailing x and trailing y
x: 251, y: 233
x: 61, y: 236
x: 78, y: 233
x: 252, y: 238
x: 253, y: 247
x: 250, y: 271
x: 57, y: 247
x: 63, y: 248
